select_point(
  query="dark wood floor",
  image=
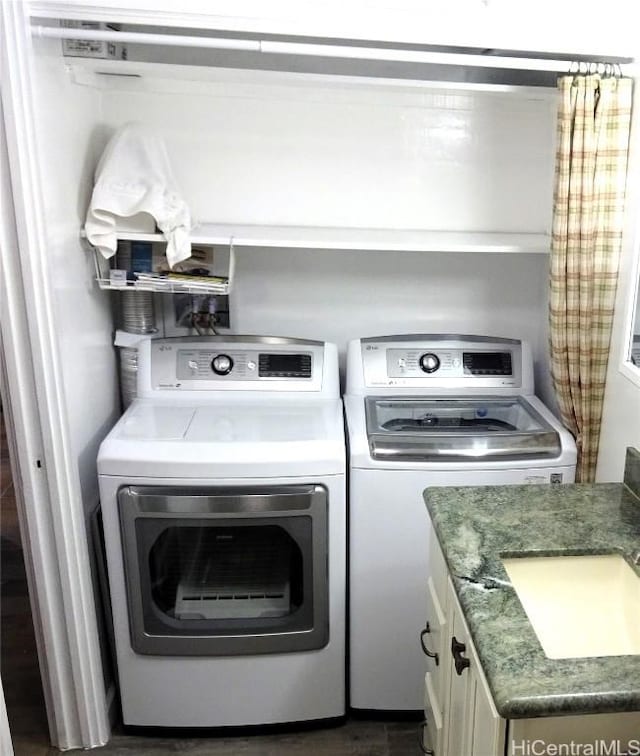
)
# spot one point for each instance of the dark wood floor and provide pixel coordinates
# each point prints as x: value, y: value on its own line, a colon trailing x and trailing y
x: 355, y: 738
x: 25, y: 704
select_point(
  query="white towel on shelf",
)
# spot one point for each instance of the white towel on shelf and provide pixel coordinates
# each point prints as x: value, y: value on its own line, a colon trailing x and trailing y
x: 134, y: 176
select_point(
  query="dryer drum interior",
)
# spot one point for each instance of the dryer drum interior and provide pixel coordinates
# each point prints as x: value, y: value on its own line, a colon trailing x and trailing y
x: 232, y: 572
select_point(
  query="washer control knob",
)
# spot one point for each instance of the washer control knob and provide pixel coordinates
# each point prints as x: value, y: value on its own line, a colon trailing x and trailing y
x: 222, y: 364
x: 429, y: 362
x: 251, y: 365
x: 193, y: 365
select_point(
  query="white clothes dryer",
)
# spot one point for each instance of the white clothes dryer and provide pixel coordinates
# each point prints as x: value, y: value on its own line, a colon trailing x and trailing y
x: 223, y: 502
x: 427, y: 410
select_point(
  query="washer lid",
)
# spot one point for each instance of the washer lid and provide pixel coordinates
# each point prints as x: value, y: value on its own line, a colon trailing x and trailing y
x: 226, y: 440
x: 417, y: 428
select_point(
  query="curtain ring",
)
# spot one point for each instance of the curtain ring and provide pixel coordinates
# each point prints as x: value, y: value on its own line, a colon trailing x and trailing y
x: 574, y: 68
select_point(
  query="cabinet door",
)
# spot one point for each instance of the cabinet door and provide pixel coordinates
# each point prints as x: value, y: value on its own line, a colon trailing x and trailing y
x: 473, y: 726
x: 489, y: 730
x: 434, y: 639
x: 459, y: 717
x: 437, y: 570
x: 432, y: 733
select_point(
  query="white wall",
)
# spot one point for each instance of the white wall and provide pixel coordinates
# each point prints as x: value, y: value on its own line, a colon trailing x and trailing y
x: 621, y: 411
x: 265, y: 148
x: 70, y: 141
x: 340, y: 295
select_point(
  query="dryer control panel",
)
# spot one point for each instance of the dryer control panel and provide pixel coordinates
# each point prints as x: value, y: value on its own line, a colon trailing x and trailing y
x: 242, y: 365
x: 235, y: 363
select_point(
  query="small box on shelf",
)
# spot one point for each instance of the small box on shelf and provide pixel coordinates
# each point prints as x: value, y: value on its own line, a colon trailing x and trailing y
x: 118, y: 278
x: 141, y: 257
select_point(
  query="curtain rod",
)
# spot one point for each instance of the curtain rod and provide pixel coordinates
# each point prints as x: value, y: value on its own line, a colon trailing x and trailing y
x: 311, y: 49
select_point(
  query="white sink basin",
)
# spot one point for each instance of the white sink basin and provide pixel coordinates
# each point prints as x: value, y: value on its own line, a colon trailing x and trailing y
x: 579, y: 606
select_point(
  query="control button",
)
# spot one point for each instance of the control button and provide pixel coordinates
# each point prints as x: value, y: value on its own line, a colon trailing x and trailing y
x: 402, y: 364
x: 429, y: 362
x: 251, y: 365
x: 193, y: 365
x: 222, y: 364
x: 456, y: 362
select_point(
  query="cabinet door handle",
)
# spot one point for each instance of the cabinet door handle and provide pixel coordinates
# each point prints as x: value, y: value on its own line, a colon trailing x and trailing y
x: 421, y: 738
x: 431, y: 654
x: 457, y: 649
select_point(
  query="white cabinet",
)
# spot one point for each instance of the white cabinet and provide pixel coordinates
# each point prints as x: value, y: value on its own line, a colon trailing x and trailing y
x: 460, y: 717
x: 489, y: 730
x: 458, y: 714
x: 434, y: 640
x: 474, y: 726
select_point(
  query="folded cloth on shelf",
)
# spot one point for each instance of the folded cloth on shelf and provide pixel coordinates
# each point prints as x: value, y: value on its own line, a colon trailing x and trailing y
x: 134, y: 176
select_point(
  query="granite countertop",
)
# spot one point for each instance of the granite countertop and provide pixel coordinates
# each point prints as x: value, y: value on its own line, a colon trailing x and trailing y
x: 475, y: 527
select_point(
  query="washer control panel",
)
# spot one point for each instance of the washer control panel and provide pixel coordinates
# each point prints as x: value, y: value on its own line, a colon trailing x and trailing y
x: 447, y: 362
x: 443, y: 362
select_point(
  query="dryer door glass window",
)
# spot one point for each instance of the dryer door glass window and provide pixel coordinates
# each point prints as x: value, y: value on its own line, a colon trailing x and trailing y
x: 219, y: 573
x: 224, y: 571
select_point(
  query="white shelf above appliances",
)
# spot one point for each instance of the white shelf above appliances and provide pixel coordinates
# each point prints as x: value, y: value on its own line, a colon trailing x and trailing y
x: 382, y: 239
x: 312, y: 237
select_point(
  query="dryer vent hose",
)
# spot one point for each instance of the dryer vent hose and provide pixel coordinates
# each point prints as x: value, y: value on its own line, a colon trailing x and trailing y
x: 137, y: 315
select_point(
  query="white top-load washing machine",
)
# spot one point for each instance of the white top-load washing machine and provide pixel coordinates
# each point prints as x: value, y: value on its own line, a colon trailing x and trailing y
x: 223, y: 502
x: 427, y: 410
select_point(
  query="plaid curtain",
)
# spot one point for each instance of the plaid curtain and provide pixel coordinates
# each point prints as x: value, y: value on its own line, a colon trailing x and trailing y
x: 593, y: 135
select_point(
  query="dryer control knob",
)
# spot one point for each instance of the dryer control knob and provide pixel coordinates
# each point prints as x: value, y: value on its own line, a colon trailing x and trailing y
x: 429, y: 362
x: 222, y: 364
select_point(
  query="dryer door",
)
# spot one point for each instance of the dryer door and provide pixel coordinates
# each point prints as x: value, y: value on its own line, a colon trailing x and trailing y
x: 225, y: 571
